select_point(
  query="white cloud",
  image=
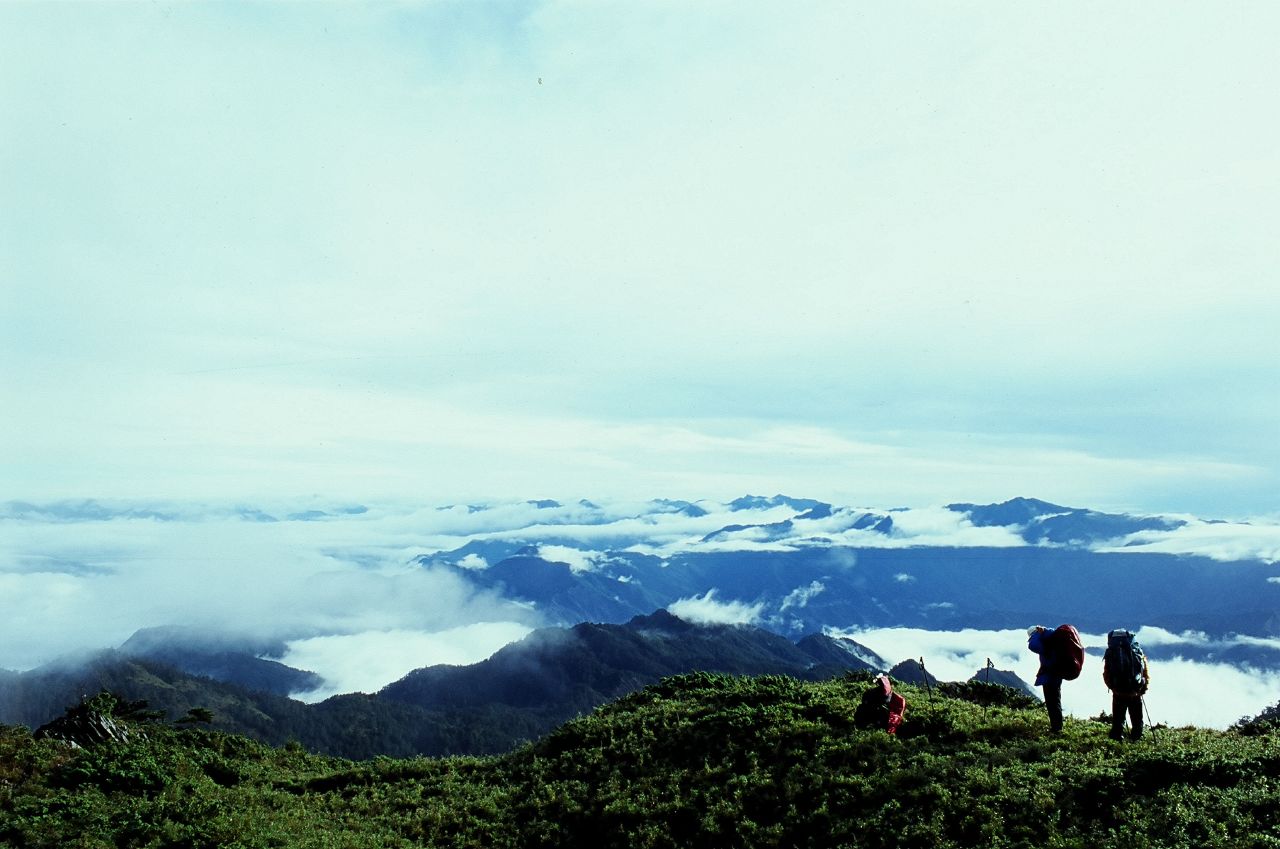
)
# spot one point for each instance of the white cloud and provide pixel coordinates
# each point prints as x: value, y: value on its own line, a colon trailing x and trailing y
x: 904, y: 578
x: 610, y: 523
x: 706, y: 610
x: 736, y: 544
x: 271, y: 580
x: 940, y: 526
x: 800, y: 596
x: 576, y: 559
x: 1256, y: 539
x: 367, y: 661
x: 473, y: 561
x: 911, y: 527
x: 1214, y: 695
x: 1150, y: 635
x: 948, y: 655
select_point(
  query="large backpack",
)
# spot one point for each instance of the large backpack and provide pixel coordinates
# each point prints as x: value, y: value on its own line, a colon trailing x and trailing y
x: 881, y: 707
x: 1124, y: 663
x: 1067, y: 652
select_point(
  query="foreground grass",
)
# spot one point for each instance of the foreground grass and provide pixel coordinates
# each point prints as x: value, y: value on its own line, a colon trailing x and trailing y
x: 699, y: 760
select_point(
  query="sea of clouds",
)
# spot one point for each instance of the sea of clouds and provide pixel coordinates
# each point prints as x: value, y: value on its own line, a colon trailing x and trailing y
x: 338, y: 586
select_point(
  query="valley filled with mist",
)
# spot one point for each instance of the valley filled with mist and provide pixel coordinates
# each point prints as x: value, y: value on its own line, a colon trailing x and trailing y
x: 304, y: 603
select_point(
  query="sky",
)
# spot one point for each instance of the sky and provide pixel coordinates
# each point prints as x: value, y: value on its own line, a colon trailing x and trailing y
x: 905, y: 253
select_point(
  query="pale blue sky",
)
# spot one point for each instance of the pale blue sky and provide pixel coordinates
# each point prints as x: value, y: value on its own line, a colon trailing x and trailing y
x: 878, y: 253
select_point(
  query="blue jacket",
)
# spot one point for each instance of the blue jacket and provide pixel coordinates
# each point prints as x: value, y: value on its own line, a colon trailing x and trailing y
x: 1038, y: 644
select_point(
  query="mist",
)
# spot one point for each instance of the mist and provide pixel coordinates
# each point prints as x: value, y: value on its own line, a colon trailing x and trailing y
x: 83, y: 585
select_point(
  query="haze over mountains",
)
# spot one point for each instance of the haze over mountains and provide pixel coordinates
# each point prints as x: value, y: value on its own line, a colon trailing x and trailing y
x: 316, y: 600
x: 798, y: 565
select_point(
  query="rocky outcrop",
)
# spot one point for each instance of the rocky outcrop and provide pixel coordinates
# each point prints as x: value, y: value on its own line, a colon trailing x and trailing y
x: 83, y: 726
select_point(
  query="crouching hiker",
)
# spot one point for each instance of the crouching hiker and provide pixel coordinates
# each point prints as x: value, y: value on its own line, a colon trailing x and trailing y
x: 1061, y: 658
x: 881, y: 707
x: 1124, y: 669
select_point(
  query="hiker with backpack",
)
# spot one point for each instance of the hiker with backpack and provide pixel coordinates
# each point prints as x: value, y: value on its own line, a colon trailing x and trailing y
x: 1125, y: 672
x: 881, y: 707
x: 1061, y: 658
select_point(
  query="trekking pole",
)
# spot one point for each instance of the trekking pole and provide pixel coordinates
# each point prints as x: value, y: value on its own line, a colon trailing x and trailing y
x: 924, y: 673
x: 986, y: 701
x: 1150, y: 723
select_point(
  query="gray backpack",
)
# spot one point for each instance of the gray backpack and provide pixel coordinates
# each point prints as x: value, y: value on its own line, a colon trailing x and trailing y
x: 1125, y: 663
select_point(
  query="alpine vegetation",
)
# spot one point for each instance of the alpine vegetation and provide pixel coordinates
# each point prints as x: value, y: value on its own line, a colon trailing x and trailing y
x: 693, y: 760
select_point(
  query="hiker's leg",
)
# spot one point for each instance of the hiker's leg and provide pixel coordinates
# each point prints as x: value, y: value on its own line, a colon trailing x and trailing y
x: 1053, y: 701
x: 1118, y: 707
x: 1135, y: 717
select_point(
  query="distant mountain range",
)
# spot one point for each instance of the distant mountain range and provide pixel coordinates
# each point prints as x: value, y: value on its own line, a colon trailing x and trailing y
x: 749, y: 586
x: 800, y: 565
x: 1041, y: 522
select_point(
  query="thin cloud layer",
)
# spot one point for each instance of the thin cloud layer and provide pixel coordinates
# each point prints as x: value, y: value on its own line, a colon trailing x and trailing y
x: 801, y: 596
x: 707, y: 610
x: 277, y: 567
x: 1259, y: 540
x: 272, y: 581
x: 368, y: 661
x: 636, y: 526
x: 575, y: 558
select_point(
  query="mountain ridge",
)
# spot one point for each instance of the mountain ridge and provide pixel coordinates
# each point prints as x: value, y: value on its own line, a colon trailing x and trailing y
x: 521, y: 692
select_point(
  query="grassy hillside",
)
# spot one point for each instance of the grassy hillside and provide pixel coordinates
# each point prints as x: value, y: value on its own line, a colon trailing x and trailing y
x: 698, y: 760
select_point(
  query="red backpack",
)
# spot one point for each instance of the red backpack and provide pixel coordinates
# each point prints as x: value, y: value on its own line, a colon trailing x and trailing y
x: 1067, y: 652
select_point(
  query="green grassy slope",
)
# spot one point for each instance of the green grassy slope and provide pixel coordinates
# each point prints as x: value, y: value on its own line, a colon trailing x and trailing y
x: 699, y: 760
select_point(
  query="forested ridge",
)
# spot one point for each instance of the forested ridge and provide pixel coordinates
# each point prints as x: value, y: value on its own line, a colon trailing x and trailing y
x: 519, y: 694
